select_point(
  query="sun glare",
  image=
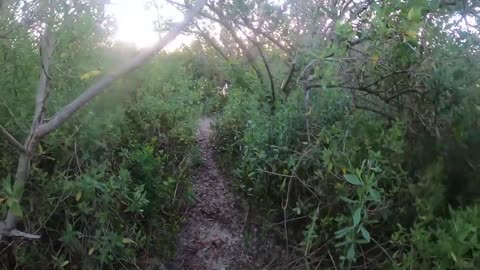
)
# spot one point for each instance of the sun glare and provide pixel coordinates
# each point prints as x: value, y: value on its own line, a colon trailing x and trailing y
x: 135, y: 23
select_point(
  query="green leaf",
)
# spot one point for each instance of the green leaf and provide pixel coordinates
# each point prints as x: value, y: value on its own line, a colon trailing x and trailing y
x: 16, y: 209
x: 90, y: 74
x: 415, y: 14
x: 365, y: 233
x: 18, y: 190
x: 374, y: 195
x: 453, y: 256
x: 343, y: 243
x: 353, y: 179
x: 361, y: 241
x: 128, y: 241
x: 344, y: 30
x: 345, y: 199
x: 7, y: 184
x: 458, y: 74
x: 351, y: 253
x: 282, y: 186
x: 357, y: 216
x: 341, y: 233
x: 78, y: 196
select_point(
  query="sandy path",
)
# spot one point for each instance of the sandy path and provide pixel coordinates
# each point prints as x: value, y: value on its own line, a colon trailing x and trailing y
x: 212, y: 237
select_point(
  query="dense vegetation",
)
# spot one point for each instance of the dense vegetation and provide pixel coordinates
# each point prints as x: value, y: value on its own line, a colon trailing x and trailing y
x: 108, y: 189
x: 366, y: 157
x: 351, y: 126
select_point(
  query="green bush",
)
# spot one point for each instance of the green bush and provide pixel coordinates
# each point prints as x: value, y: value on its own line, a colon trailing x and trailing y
x: 109, y: 188
x: 350, y: 178
x: 447, y: 244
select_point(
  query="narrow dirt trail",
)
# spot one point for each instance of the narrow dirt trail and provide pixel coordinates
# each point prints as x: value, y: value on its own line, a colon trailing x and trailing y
x: 212, y: 237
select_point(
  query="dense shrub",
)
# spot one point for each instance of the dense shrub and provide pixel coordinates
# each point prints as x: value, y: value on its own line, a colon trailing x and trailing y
x: 364, y: 174
x: 351, y: 126
x: 107, y: 190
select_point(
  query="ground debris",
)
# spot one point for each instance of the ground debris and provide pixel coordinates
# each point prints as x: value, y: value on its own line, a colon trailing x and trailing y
x: 212, y: 237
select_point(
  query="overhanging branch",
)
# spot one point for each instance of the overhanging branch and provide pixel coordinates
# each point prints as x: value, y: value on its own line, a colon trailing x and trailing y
x: 67, y: 112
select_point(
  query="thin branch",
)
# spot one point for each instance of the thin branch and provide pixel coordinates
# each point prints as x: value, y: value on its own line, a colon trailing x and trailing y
x: 270, y: 76
x: 359, y: 12
x: 385, y: 77
x: 401, y: 93
x: 69, y: 110
x: 12, y: 115
x: 259, y: 31
x: 382, y: 113
x: 265, y: 63
x: 12, y: 139
x: 212, y: 43
x: 225, y: 22
x: 309, y: 86
x: 176, y: 4
x: 384, y: 251
x: 289, y: 78
x: 331, y: 258
x: 218, y: 49
x: 17, y: 233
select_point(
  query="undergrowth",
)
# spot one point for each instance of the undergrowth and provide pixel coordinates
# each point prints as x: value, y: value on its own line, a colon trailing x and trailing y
x: 109, y: 190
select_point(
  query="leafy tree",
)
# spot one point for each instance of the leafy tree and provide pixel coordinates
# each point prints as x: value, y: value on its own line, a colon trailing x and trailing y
x: 366, y: 135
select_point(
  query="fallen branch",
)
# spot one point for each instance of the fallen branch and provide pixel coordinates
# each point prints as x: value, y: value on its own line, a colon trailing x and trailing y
x: 17, y: 233
x: 5, y: 231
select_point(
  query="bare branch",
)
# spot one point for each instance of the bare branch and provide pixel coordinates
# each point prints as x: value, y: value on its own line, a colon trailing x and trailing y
x: 46, y: 49
x: 12, y: 115
x: 17, y: 233
x: 284, y: 85
x: 225, y: 22
x: 377, y: 111
x: 67, y: 112
x: 12, y: 139
x: 265, y: 63
x: 385, y: 77
x: 270, y: 76
x: 5, y: 231
x: 212, y: 42
x: 25, y: 158
x: 259, y: 31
